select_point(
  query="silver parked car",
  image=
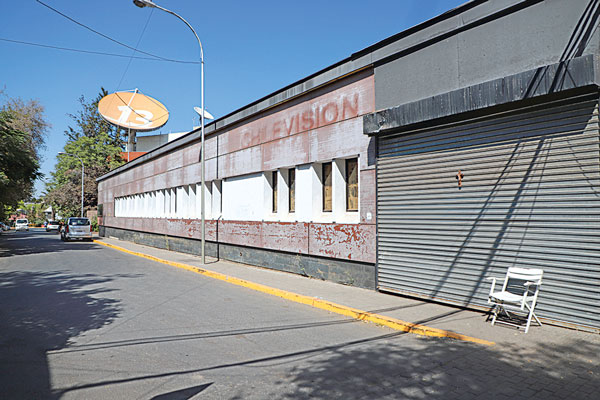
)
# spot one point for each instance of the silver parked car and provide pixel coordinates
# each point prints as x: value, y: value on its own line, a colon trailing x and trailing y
x: 76, y: 228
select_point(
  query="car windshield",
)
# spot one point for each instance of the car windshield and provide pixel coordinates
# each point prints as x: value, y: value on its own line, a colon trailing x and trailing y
x: 79, y: 221
x: 52, y: 223
x: 21, y: 221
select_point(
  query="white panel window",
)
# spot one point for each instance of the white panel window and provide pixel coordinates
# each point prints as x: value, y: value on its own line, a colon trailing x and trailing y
x: 146, y: 197
x: 180, y: 203
x: 152, y: 204
x: 208, y: 200
x: 216, y: 199
x: 307, y: 192
x: 160, y: 203
x: 198, y: 200
x: 192, y: 210
x: 167, y: 204
x: 243, y: 198
x: 173, y: 206
x: 326, y: 192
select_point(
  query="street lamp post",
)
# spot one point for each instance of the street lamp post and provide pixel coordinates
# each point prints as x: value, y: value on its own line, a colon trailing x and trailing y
x: 82, y: 175
x: 148, y: 3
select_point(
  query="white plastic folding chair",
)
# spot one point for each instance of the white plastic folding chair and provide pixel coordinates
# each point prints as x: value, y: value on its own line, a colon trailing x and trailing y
x: 518, y: 295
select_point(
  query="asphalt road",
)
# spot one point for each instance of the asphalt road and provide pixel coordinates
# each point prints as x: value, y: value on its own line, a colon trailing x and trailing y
x: 81, y: 321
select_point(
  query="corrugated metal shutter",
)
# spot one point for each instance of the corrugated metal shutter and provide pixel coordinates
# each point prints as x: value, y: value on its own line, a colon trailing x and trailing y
x: 530, y: 197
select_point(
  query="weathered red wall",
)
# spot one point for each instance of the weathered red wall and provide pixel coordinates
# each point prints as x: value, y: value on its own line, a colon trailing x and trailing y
x: 344, y: 241
x: 321, y: 125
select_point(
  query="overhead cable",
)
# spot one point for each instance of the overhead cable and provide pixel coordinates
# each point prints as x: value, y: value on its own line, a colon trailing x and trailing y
x: 111, y: 39
x: 93, y: 52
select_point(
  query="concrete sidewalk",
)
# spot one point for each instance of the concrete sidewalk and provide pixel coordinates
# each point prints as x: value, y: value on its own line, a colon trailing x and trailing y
x: 464, y: 322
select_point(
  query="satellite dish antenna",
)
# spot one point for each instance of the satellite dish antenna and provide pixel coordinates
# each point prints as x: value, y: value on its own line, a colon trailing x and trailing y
x: 207, y: 115
x: 133, y: 110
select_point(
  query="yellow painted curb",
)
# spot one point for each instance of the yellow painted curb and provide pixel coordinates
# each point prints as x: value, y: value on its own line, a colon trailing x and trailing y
x: 393, y: 323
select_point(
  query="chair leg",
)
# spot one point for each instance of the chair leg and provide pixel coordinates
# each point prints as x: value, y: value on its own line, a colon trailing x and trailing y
x: 528, y: 322
x: 537, y: 320
x: 495, y: 314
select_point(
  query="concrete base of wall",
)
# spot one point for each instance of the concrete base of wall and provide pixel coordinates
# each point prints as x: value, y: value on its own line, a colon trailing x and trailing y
x: 340, y: 271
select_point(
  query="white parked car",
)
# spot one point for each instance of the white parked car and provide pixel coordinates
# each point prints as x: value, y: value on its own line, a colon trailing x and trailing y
x: 21, y: 225
x: 76, y: 228
x: 52, y: 226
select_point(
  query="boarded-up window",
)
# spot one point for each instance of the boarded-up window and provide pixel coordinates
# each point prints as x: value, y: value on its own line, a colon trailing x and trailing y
x: 327, y: 187
x: 292, y: 186
x: 274, y: 186
x: 352, y: 184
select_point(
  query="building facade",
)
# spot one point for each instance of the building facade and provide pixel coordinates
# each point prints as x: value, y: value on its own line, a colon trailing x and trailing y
x: 420, y: 165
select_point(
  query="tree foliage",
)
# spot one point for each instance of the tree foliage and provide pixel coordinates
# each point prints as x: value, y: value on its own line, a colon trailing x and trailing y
x: 98, y: 144
x: 19, y: 165
x: 28, y: 117
x: 89, y: 123
x: 23, y: 129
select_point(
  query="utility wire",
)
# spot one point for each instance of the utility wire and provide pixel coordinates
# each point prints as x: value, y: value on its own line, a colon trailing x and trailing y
x: 109, y: 38
x: 134, y: 51
x: 93, y: 52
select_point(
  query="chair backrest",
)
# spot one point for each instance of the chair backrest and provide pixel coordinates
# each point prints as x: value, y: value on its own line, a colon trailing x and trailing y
x: 516, y: 278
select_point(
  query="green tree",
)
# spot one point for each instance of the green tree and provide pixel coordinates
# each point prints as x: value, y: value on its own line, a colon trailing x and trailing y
x: 89, y: 122
x: 28, y: 117
x: 98, y: 144
x: 23, y: 129
x: 18, y: 164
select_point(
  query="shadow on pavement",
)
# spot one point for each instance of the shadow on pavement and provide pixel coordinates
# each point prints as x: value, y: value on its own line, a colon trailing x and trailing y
x: 448, y: 369
x: 41, y: 311
x: 38, y: 242
x: 182, y: 394
x: 387, y: 366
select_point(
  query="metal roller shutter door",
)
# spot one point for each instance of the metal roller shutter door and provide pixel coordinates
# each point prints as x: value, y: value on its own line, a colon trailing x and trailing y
x: 530, y: 197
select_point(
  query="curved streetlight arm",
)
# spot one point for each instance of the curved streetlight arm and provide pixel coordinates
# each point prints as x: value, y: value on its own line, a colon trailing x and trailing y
x: 82, y: 175
x: 148, y: 3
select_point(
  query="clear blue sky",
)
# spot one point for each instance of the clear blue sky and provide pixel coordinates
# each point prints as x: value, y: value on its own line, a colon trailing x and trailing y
x: 251, y: 49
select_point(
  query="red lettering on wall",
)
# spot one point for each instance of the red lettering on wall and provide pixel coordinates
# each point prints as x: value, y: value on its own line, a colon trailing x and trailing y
x: 289, y: 127
x: 276, y: 128
x: 318, y: 113
x: 350, y: 107
x: 302, y: 118
x: 330, y: 113
x: 308, y: 121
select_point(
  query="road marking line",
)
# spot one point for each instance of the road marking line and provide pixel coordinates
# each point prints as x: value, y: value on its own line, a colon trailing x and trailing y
x: 390, y: 322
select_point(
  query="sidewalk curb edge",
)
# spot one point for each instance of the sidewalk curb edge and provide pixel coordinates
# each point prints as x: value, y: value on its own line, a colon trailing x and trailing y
x: 390, y: 322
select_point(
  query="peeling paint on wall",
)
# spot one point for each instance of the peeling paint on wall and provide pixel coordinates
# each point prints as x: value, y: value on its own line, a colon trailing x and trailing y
x: 322, y: 125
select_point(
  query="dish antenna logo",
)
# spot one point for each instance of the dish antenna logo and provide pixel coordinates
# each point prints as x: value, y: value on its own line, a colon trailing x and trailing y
x: 144, y: 115
x: 133, y: 110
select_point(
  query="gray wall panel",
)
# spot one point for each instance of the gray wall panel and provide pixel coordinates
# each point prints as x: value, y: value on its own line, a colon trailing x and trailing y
x: 523, y: 40
x: 530, y: 198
